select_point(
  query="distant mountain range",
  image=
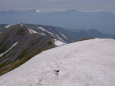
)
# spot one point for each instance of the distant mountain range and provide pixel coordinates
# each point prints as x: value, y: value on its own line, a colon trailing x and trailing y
x: 55, y: 32
x: 65, y: 35
x: 92, y: 33
x: 72, y: 19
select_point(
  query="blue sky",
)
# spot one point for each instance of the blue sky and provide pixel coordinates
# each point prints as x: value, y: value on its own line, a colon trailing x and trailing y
x: 58, y: 5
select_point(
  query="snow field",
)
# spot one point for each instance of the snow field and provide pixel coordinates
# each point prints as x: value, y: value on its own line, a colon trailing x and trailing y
x: 84, y: 63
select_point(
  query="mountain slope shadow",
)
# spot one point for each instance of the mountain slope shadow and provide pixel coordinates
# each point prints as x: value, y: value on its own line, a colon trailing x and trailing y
x: 19, y: 44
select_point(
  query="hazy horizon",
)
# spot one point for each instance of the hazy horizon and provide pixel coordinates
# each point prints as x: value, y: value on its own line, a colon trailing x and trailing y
x: 103, y: 21
x: 58, y: 5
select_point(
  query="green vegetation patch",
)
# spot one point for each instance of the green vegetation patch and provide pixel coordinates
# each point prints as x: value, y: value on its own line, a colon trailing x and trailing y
x: 22, y: 54
x: 20, y: 32
x: 50, y: 43
x: 4, y: 47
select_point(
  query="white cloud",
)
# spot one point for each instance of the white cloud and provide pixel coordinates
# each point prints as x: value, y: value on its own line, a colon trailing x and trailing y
x: 37, y: 10
x: 57, y: 5
x: 24, y: 9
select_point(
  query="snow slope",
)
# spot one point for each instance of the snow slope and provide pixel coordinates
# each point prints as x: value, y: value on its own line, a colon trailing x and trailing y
x: 7, y: 26
x: 84, y: 63
x: 59, y: 43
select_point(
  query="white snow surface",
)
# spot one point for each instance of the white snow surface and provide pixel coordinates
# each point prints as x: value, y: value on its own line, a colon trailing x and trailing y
x: 59, y: 37
x: 41, y: 28
x: 43, y: 34
x: 84, y: 63
x: 7, y: 26
x: 63, y: 35
x: 9, y: 49
x: 46, y: 31
x: 50, y: 33
x: 32, y: 31
x: 21, y: 25
x: 58, y: 43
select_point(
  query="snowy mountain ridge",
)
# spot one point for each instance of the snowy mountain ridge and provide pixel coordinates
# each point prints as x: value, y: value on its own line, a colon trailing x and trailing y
x: 84, y: 63
x: 55, y: 32
x: 62, y: 34
x: 19, y: 43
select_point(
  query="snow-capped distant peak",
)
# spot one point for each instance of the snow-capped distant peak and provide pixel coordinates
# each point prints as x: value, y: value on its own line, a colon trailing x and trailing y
x: 7, y: 26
